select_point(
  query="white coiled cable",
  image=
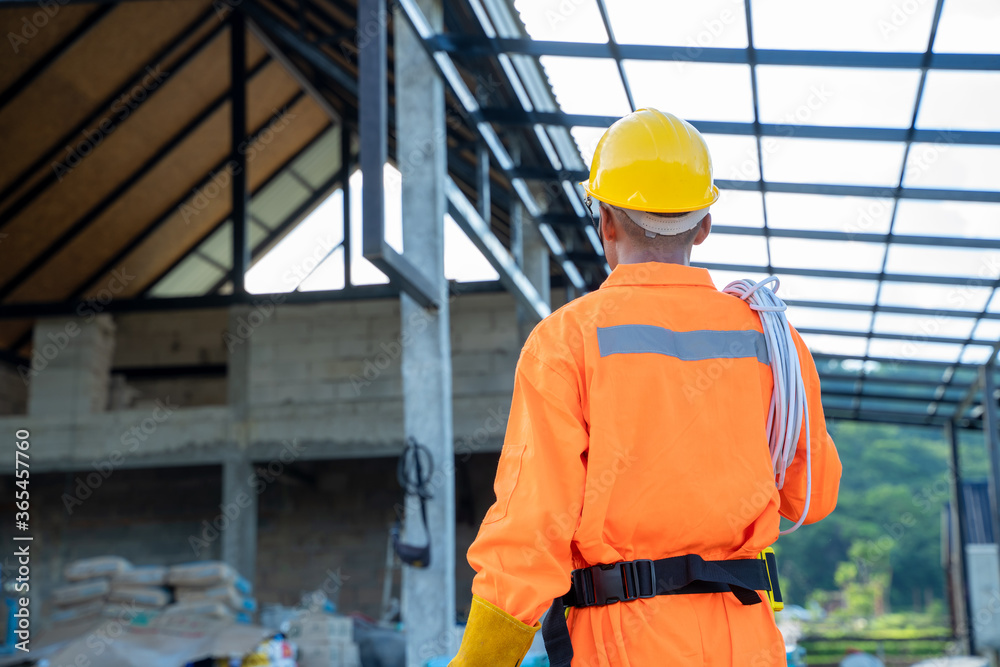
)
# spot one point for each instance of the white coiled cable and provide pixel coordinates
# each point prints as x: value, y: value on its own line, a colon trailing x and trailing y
x: 789, y: 411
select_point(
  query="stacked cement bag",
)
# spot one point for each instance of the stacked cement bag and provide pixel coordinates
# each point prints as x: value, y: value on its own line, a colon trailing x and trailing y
x: 87, y: 589
x: 211, y: 588
x: 324, y: 640
x: 138, y: 589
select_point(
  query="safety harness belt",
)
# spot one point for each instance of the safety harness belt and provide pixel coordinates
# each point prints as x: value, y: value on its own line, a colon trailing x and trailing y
x: 631, y: 580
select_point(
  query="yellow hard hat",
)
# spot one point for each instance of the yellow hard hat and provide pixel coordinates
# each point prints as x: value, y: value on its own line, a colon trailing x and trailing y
x: 652, y: 161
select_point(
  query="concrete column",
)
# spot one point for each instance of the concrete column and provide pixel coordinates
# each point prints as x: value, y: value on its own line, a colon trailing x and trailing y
x: 239, y: 507
x: 13, y: 391
x: 428, y: 604
x: 532, y: 255
x: 70, y: 372
x: 238, y: 362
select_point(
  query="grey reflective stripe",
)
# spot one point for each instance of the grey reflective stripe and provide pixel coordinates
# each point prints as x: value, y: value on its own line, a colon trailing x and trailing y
x: 684, y: 345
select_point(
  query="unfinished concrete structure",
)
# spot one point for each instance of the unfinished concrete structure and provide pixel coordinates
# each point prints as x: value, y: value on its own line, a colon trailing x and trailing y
x: 153, y: 151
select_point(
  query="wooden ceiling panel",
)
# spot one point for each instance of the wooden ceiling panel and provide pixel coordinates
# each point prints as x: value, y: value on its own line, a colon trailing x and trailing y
x: 27, y: 43
x: 174, y: 239
x: 87, y: 74
x: 173, y: 176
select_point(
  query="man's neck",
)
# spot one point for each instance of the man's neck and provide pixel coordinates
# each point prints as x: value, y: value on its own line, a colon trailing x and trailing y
x: 638, y: 256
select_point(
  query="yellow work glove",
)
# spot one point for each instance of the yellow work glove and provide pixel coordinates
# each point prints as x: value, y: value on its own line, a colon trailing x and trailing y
x: 493, y: 638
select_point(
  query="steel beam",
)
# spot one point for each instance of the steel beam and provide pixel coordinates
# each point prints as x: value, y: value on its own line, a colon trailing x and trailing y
x: 963, y: 612
x: 346, y: 164
x: 472, y: 45
x: 880, y: 192
x: 479, y: 232
x: 520, y: 117
x: 374, y: 120
x: 238, y: 158
x: 991, y: 435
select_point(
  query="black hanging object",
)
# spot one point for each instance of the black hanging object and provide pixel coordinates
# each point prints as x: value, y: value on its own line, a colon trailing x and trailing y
x: 414, y: 473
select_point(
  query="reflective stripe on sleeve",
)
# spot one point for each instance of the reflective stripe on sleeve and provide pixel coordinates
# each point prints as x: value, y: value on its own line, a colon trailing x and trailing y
x: 683, y: 345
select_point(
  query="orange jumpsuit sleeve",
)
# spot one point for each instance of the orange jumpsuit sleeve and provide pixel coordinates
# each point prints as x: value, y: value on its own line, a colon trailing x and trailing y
x: 826, y: 468
x: 522, y: 554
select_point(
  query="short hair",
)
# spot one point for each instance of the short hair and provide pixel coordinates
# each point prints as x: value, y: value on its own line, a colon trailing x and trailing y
x: 665, y: 241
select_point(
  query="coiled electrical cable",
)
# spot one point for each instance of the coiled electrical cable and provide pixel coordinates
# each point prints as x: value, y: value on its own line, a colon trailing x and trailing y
x: 789, y: 410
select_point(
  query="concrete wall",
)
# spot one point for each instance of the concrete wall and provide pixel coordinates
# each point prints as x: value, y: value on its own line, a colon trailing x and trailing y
x: 314, y: 518
x: 327, y: 375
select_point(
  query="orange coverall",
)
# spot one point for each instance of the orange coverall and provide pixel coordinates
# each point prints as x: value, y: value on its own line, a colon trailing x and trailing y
x: 631, y: 442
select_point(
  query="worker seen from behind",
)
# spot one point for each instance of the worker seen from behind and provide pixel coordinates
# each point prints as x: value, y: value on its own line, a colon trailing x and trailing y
x: 655, y: 438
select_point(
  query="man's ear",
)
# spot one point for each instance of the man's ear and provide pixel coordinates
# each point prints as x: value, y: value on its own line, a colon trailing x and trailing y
x: 705, y: 226
x: 608, y: 232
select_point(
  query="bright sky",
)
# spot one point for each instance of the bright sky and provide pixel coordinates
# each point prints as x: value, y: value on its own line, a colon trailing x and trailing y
x: 816, y: 96
x: 797, y: 95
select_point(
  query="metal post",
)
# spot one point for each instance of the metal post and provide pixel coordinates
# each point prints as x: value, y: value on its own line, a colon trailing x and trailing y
x: 345, y: 166
x: 991, y: 434
x: 428, y: 594
x: 483, y: 181
x: 963, y: 606
x: 373, y: 112
x: 238, y: 162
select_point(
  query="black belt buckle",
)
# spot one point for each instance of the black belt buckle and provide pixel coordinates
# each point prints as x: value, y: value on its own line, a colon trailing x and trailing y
x: 620, y: 582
